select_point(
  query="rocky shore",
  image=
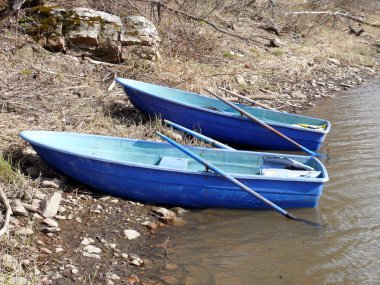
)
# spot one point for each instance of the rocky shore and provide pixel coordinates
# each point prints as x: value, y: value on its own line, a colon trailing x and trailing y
x: 60, y: 231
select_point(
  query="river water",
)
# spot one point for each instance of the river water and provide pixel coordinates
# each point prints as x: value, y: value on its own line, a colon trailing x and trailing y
x: 227, y: 247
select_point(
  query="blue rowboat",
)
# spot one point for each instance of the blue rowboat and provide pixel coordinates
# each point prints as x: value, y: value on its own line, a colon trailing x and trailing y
x: 154, y: 172
x: 215, y: 119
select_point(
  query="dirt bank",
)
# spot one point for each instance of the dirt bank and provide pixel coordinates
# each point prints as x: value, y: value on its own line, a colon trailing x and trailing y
x: 314, y: 56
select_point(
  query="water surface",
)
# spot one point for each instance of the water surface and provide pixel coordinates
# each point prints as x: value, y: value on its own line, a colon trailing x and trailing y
x: 227, y: 247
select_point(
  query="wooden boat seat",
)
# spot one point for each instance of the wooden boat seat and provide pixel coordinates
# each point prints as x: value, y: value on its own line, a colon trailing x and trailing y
x: 174, y: 162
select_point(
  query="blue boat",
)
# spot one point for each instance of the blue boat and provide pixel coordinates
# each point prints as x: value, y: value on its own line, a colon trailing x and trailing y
x: 215, y: 119
x: 158, y: 173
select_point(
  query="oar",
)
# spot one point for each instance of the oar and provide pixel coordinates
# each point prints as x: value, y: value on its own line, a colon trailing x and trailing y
x: 265, y: 125
x: 212, y: 142
x: 217, y: 170
x: 247, y: 99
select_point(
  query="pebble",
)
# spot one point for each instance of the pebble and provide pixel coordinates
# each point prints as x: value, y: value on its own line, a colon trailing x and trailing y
x: 92, y: 249
x: 50, y: 222
x: 131, y: 234
x: 87, y: 241
x: 92, y: 255
x: 125, y: 256
x: 50, y: 205
x: 45, y: 250
x: 59, y: 249
x: 135, y: 260
x: 52, y: 230
x: 74, y: 271
x: 171, y: 266
x: 169, y: 279
x: 50, y: 184
x: 18, y: 209
x: 166, y: 215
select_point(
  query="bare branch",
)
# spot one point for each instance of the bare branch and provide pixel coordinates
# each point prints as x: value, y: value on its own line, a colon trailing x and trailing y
x: 4, y: 200
x: 339, y: 14
x: 213, y: 25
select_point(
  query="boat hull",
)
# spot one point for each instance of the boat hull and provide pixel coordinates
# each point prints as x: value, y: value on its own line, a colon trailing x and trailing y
x: 176, y: 188
x: 231, y: 129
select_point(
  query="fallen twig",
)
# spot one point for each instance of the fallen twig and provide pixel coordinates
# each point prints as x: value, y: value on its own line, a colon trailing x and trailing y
x: 339, y: 14
x: 4, y: 200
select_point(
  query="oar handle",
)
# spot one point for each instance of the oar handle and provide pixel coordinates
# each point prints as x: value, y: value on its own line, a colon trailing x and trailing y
x: 217, y: 170
x: 247, y: 99
x: 211, y: 141
x: 264, y: 125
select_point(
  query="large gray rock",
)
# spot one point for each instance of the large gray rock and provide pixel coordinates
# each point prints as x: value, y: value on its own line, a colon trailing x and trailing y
x: 97, y: 34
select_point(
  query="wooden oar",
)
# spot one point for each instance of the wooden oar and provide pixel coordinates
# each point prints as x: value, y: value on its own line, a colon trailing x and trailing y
x: 212, y: 142
x: 264, y: 125
x: 247, y: 99
x: 230, y: 178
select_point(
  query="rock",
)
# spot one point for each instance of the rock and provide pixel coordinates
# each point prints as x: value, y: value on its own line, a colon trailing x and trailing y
x: 50, y: 222
x: 333, y: 61
x: 180, y: 212
x: 59, y: 249
x: 46, y: 183
x: 74, y: 271
x: 131, y: 234
x: 37, y: 216
x: 92, y: 249
x: 135, y: 260
x: 87, y: 241
x: 24, y: 231
x: 18, y: 209
x: 275, y: 42
x: 9, y: 262
x: 112, y: 276
x: 94, y: 33
x: 45, y: 250
x: 30, y: 207
x: 51, y: 230
x: 133, y: 279
x: 49, y: 205
x: 167, y: 216
x: 39, y: 195
x: 125, y: 256
x: 92, y: 255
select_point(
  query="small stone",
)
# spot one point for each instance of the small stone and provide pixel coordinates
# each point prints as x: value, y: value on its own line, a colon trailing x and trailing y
x: 115, y: 201
x: 125, y: 256
x: 92, y: 255
x: 276, y: 43
x: 59, y: 249
x: 133, y: 279
x: 50, y: 222
x: 50, y: 230
x: 49, y: 184
x: 18, y: 209
x: 50, y: 205
x: 240, y: 80
x: 60, y: 217
x: 135, y: 260
x: 180, y: 211
x: 131, y: 234
x: 92, y: 249
x: 29, y: 151
x: 87, y: 241
x: 24, y: 232
x: 74, y: 271
x: 112, y: 276
x: 166, y: 215
x: 45, y: 250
